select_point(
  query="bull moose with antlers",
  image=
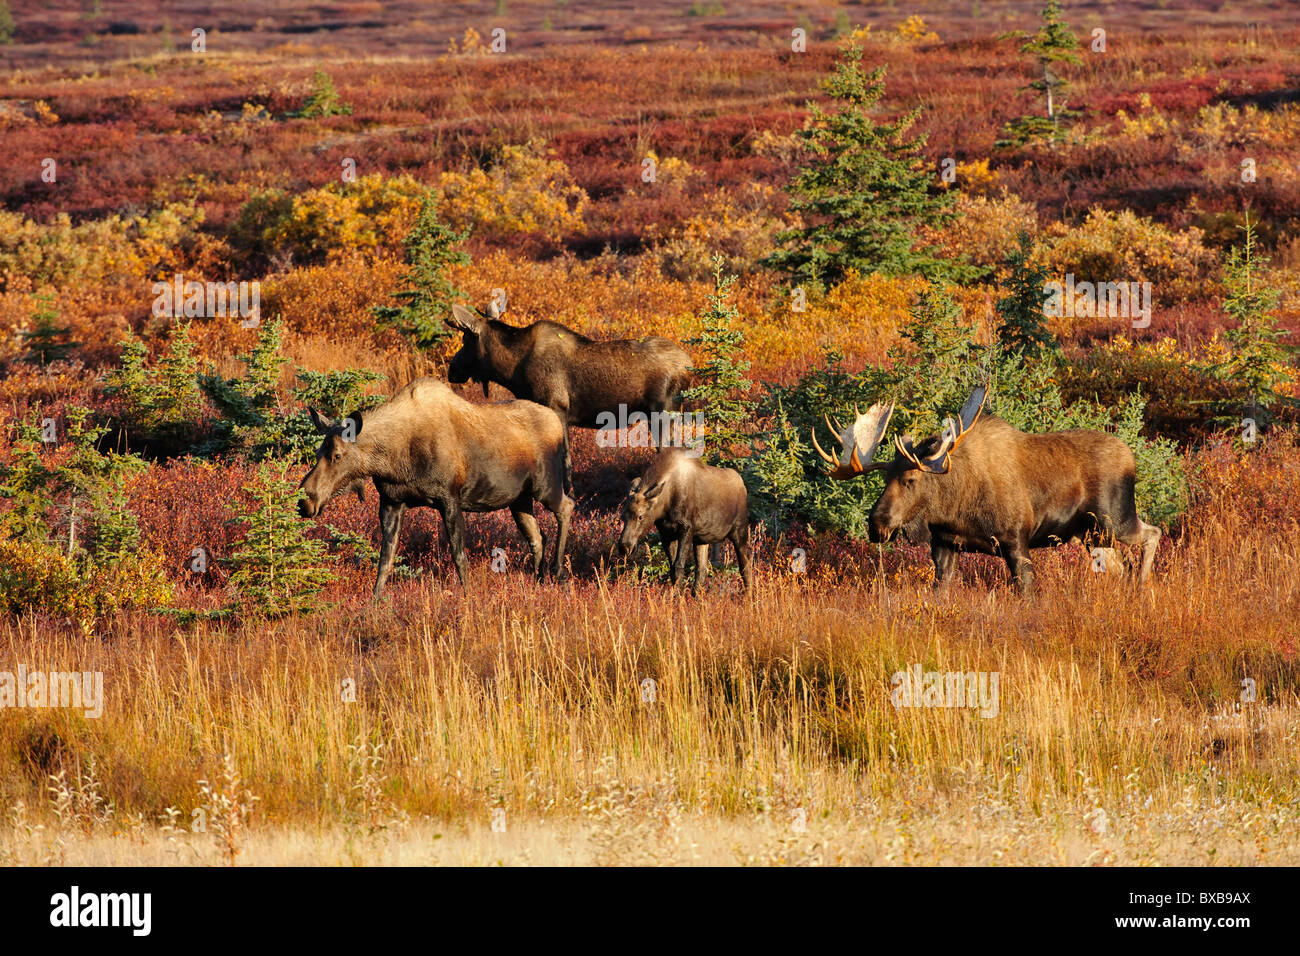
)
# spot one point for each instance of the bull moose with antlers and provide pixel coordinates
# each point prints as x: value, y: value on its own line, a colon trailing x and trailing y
x: 982, y: 485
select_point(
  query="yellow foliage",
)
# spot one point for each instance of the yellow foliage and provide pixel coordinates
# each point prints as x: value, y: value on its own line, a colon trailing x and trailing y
x: 671, y: 171
x: 372, y: 213
x: 36, y: 576
x: 914, y: 30
x: 471, y: 44
x: 528, y: 190
x: 1123, y: 246
x: 985, y: 228
x: 976, y: 177
x: 770, y: 143
x: 737, y: 227
x: 146, y: 246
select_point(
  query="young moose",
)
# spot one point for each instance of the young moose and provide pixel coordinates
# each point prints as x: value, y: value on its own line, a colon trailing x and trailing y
x: 428, y: 447
x: 693, y: 505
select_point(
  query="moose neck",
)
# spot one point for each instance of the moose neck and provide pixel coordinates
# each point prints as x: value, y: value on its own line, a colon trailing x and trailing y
x: 504, y: 346
x: 377, y: 456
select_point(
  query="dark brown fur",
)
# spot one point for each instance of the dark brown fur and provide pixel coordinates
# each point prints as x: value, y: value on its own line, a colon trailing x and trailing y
x: 693, y: 505
x: 576, y: 377
x: 428, y: 447
x: 1008, y: 492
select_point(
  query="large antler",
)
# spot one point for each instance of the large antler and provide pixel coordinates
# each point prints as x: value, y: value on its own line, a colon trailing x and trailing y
x: 954, y: 430
x: 857, y: 444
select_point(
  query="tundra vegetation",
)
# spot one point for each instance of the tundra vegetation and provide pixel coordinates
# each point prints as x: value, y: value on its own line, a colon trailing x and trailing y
x: 743, y: 200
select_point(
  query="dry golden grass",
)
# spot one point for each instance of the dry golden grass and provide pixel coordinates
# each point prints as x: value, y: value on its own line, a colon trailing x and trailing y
x: 1119, y: 738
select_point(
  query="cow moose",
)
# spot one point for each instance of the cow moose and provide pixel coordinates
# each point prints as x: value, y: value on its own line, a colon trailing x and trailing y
x: 576, y: 377
x: 428, y: 447
x: 693, y: 505
x: 982, y: 485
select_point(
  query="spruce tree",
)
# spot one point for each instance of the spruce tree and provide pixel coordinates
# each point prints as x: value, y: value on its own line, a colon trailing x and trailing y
x: 1052, y: 46
x: 162, y: 404
x: 47, y: 341
x: 278, y: 570
x: 428, y: 295
x: 1023, y: 327
x: 1257, y: 362
x: 250, y: 416
x: 324, y: 99
x: 721, y: 387
x: 864, y: 193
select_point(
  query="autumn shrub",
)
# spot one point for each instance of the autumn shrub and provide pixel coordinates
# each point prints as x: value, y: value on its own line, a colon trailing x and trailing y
x: 115, y: 247
x: 1248, y: 485
x: 1180, y: 395
x: 1124, y: 247
x: 369, y: 215
x: 333, y: 300
x: 527, y: 190
x: 738, y: 227
x: 985, y: 228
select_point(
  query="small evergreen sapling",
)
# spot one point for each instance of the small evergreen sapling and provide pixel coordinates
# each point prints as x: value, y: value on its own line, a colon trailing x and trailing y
x: 1256, y: 364
x: 864, y: 193
x: 278, y: 570
x: 428, y: 295
x: 721, y: 387
x: 1022, y: 326
x: 47, y: 341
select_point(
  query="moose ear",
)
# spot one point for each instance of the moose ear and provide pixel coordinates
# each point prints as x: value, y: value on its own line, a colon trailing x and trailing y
x: 465, y: 319
x: 496, y: 309
x: 636, y: 483
x: 352, y: 426
x: 654, y: 492
x: 321, y: 422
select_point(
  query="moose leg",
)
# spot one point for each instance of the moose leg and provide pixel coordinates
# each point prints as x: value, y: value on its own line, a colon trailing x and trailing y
x: 563, y: 512
x: 702, y: 563
x: 1148, y: 536
x: 1021, y: 566
x: 740, y: 542
x: 670, y: 547
x: 678, y: 566
x: 390, y: 525
x: 453, y: 522
x: 526, y: 522
x: 945, y: 563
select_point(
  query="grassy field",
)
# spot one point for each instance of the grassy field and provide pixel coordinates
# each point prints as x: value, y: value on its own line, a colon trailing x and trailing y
x: 606, y: 720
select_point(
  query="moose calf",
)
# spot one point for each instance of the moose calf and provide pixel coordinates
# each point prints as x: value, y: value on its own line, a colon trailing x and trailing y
x: 693, y: 505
